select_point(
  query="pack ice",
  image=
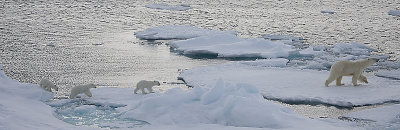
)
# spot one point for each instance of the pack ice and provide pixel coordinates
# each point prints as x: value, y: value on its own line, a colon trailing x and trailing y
x: 181, y: 7
x: 293, y: 85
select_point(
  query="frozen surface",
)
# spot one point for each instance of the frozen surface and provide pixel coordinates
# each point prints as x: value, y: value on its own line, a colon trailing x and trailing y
x: 391, y: 74
x: 386, y: 117
x: 328, y: 11
x: 394, y: 12
x: 175, y: 32
x: 296, y: 86
x: 229, y: 45
x: 181, y: 7
x: 22, y: 107
x: 221, y: 104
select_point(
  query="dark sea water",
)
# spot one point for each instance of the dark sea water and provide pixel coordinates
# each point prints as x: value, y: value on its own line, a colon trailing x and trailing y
x: 79, y: 42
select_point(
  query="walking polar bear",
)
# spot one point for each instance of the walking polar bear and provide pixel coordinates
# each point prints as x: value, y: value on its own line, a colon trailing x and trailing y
x: 81, y: 89
x: 146, y: 84
x: 47, y: 85
x: 349, y: 68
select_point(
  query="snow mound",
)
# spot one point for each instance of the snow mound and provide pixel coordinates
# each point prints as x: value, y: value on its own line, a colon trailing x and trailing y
x: 391, y: 74
x: 394, y: 12
x: 294, y: 85
x: 181, y: 32
x: 386, y: 117
x: 229, y: 45
x: 327, y: 12
x: 181, y: 7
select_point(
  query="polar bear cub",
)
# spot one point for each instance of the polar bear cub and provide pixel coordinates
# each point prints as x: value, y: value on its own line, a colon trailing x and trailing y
x: 349, y: 68
x: 146, y: 84
x: 47, y: 85
x: 81, y: 89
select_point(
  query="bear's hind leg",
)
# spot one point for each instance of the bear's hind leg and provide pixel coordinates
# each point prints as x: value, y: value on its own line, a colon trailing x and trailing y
x: 339, y: 81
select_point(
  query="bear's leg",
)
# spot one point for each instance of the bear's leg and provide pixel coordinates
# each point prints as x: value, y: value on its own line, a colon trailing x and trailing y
x: 136, y: 89
x: 339, y: 81
x: 72, y: 95
x: 356, y: 75
x: 150, y: 89
x: 88, y: 93
x: 362, y: 78
x: 143, y: 92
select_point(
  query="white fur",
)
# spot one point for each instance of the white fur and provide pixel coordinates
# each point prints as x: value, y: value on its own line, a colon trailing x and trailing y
x: 146, y: 84
x: 47, y: 85
x: 349, y: 68
x: 81, y: 89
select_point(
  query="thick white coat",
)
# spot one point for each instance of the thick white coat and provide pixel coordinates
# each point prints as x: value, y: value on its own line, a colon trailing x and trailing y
x: 146, y: 84
x: 81, y: 89
x: 349, y: 68
x: 47, y: 85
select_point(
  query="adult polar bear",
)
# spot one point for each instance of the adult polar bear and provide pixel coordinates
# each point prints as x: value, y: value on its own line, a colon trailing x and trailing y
x: 81, y: 89
x: 47, y: 85
x: 146, y: 84
x: 349, y: 68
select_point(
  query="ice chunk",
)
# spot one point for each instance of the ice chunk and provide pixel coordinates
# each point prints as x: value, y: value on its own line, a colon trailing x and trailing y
x: 22, y: 107
x: 296, y: 86
x: 391, y: 74
x: 287, y: 39
x: 386, y: 117
x: 394, y: 12
x: 181, y: 7
x: 229, y: 45
x: 221, y: 103
x: 175, y: 32
x: 352, y: 49
x: 327, y: 11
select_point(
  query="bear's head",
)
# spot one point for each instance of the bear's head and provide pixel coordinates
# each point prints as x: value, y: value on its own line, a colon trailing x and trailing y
x: 156, y: 83
x: 372, y: 60
x: 91, y: 86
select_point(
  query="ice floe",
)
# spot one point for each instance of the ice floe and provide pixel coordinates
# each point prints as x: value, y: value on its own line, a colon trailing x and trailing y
x: 394, y: 12
x: 181, y: 7
x: 169, y: 32
x: 391, y: 74
x: 327, y: 11
x: 292, y: 85
x: 22, y: 107
x: 230, y: 46
x: 386, y: 117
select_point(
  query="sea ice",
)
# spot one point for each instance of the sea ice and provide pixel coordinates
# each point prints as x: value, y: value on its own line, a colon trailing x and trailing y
x: 287, y: 39
x: 394, y: 12
x: 181, y: 32
x: 181, y: 7
x: 230, y: 46
x: 327, y: 11
x: 296, y: 86
x: 386, y: 117
x: 391, y: 74
x: 22, y: 107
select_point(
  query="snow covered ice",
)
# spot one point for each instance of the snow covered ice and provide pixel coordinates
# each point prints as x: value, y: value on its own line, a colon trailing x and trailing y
x: 386, y: 117
x: 168, y: 32
x: 181, y: 7
x: 394, y: 12
x: 224, y: 106
x: 296, y: 86
x: 230, y: 46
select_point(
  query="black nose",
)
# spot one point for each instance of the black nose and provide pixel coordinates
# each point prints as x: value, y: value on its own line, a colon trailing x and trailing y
x: 376, y: 60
